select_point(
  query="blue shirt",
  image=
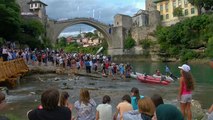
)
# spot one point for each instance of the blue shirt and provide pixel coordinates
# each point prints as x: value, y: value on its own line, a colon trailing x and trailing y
x: 134, y: 102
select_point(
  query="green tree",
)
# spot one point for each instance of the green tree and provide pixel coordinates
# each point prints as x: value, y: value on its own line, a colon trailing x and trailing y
x: 62, y: 42
x: 178, y: 12
x: 207, y: 4
x: 30, y: 34
x: 32, y: 27
x: 129, y: 42
x: 209, y: 50
x: 10, y: 18
x: 1, y: 41
x: 89, y: 35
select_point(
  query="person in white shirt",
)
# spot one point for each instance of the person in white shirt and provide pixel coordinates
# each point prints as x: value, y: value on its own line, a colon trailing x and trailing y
x: 4, y: 53
x: 104, y: 111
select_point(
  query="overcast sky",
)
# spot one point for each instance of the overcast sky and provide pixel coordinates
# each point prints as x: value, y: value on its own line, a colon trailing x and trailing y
x: 102, y: 10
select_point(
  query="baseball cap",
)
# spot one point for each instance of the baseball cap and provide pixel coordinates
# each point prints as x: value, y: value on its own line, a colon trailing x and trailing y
x: 185, y: 68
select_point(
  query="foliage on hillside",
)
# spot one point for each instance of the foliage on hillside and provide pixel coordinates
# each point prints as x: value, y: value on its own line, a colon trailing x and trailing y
x: 182, y: 39
x: 10, y: 19
x: 129, y: 42
x: 23, y: 31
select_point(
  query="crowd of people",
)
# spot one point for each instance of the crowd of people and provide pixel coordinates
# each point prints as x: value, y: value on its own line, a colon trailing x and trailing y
x: 74, y: 61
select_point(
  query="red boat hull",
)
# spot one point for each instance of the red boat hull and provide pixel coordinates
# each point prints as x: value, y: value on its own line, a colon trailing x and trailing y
x: 152, y: 80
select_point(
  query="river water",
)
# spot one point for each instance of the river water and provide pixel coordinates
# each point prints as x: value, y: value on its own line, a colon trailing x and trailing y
x: 27, y: 95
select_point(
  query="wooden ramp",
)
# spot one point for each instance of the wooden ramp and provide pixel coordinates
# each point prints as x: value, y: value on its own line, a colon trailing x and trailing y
x: 11, y: 71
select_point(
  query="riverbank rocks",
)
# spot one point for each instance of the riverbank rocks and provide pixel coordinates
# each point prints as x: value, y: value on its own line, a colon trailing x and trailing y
x: 197, y: 112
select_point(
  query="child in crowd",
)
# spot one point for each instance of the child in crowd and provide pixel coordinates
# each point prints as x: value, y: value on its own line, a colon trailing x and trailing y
x: 157, y: 100
x: 50, y: 109
x: 135, y: 97
x: 167, y: 112
x: 123, y: 107
x: 64, y: 100
x: 146, y: 108
x: 185, y: 90
x: 104, y: 111
x: 85, y: 106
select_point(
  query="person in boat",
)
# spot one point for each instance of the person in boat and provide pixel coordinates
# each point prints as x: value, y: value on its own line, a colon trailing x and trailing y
x: 157, y: 72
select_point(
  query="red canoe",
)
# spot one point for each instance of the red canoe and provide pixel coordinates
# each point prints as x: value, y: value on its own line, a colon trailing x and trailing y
x: 150, y: 79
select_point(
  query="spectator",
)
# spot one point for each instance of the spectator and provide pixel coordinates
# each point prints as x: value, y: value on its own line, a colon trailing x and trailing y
x: 135, y: 97
x: 157, y: 100
x: 146, y: 108
x: 185, y: 91
x: 122, y: 107
x: 104, y: 111
x: 64, y: 100
x: 167, y: 112
x: 50, y: 109
x: 210, y: 112
x: 85, y: 106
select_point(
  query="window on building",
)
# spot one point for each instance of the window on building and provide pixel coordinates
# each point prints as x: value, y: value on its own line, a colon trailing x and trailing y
x: 186, y: 12
x: 161, y: 17
x: 31, y: 5
x: 166, y: 7
x: 192, y: 10
x: 117, y: 23
x: 36, y: 5
x: 179, y: 2
x: 40, y: 5
x: 167, y: 16
x: 161, y: 7
x: 174, y: 4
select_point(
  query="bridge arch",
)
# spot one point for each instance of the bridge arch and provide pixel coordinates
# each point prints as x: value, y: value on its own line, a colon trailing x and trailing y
x: 58, y: 26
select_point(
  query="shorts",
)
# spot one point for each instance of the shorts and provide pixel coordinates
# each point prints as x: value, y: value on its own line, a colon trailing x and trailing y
x: 186, y: 98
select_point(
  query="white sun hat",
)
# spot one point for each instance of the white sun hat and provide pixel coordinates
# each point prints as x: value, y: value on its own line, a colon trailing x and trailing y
x: 185, y: 67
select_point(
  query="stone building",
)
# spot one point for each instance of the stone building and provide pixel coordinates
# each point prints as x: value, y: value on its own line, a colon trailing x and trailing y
x: 150, y: 5
x: 166, y: 8
x: 141, y: 18
x: 123, y: 20
x: 33, y: 9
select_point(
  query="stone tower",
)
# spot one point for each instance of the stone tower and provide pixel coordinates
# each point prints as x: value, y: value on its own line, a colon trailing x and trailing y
x: 150, y: 5
x: 38, y: 8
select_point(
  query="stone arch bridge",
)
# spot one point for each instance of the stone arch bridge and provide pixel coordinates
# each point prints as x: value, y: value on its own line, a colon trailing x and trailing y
x: 54, y: 28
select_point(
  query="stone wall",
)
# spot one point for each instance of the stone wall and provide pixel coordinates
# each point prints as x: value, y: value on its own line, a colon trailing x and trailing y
x: 123, y: 20
x: 23, y: 5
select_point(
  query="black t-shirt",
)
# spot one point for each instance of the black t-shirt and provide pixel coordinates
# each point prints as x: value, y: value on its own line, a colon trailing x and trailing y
x: 61, y: 113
